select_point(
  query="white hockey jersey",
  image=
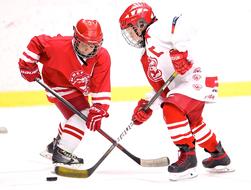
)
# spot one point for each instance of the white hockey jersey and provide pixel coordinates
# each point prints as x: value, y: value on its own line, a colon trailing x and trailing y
x: 160, y: 38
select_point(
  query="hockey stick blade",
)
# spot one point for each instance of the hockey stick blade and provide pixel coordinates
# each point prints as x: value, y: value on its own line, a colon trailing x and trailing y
x: 76, y: 173
x: 159, y: 162
x: 68, y: 172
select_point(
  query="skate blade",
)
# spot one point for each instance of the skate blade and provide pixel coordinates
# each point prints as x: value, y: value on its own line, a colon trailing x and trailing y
x: 188, y: 174
x: 221, y: 169
x: 46, y: 155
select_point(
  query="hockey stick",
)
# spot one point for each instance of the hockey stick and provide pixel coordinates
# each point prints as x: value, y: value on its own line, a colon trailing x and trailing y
x: 69, y: 172
x: 158, y: 162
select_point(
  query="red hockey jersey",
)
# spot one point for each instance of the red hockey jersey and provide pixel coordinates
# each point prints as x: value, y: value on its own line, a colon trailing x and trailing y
x: 65, y: 73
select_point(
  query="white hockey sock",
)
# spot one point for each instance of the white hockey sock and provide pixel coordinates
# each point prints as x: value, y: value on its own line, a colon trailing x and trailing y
x: 72, y: 133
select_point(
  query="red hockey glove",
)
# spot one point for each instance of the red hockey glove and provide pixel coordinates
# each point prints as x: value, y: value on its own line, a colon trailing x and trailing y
x: 180, y: 62
x: 139, y: 115
x: 96, y: 113
x: 30, y: 73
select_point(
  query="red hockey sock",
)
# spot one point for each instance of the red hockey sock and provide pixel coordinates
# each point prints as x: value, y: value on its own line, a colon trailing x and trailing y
x: 178, y: 125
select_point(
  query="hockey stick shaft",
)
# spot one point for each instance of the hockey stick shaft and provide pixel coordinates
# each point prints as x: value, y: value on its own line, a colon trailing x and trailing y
x: 68, y: 172
x: 164, y: 161
x: 64, y: 101
x: 167, y: 83
x: 151, y: 101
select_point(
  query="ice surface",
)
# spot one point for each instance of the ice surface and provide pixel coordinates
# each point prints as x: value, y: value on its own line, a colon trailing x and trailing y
x: 32, y: 128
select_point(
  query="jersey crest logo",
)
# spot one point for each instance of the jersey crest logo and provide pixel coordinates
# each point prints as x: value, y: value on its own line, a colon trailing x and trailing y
x: 80, y: 80
x: 153, y: 72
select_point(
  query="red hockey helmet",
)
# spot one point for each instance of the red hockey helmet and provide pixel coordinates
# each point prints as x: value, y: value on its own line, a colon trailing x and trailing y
x: 88, y: 32
x: 135, y: 20
x: 136, y: 12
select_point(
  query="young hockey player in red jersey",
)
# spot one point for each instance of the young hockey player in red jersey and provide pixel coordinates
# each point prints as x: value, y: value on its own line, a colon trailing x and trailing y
x: 75, y: 67
x: 166, y: 49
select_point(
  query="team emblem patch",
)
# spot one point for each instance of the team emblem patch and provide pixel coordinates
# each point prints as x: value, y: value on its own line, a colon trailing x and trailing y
x: 80, y: 80
x: 153, y: 72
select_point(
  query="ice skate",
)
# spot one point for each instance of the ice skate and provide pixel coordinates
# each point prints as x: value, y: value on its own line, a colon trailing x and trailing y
x: 218, y: 162
x: 185, y: 167
x: 61, y: 156
x: 47, y: 153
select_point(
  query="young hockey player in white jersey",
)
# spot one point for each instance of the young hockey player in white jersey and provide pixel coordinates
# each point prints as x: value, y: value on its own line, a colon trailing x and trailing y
x: 166, y: 50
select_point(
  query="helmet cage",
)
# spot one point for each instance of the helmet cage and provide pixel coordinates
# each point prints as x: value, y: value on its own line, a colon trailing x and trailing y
x: 131, y: 41
x: 142, y: 25
x: 79, y: 38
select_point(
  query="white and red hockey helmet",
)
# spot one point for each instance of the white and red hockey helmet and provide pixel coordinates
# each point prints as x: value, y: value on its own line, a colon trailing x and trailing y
x: 138, y: 16
x: 89, y: 32
x: 136, y: 12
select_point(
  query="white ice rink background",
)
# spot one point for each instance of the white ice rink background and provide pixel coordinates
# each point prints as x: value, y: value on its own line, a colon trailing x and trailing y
x: 225, y: 30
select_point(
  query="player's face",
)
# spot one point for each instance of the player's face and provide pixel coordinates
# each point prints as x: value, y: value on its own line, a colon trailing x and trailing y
x: 85, y: 48
x: 132, y: 33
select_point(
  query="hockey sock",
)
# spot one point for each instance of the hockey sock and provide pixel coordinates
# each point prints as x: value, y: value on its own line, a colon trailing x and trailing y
x: 205, y: 138
x: 178, y: 125
x: 72, y: 133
